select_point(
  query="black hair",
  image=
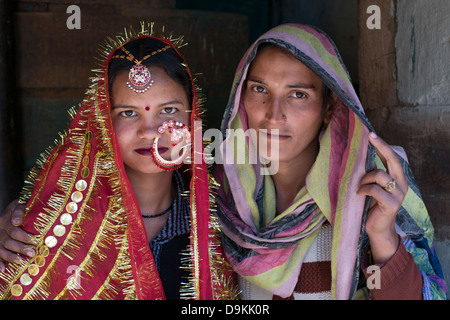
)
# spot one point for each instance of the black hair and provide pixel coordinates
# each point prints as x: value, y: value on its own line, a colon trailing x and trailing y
x: 169, y: 59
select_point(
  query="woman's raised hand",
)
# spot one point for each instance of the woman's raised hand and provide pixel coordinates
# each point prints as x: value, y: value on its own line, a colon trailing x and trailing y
x: 387, y: 189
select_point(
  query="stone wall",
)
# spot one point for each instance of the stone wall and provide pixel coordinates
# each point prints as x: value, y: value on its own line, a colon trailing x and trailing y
x: 404, y: 86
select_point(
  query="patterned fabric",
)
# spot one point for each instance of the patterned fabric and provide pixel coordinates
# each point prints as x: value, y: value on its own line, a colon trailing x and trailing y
x: 177, y: 223
x: 314, y: 282
x: 267, y: 250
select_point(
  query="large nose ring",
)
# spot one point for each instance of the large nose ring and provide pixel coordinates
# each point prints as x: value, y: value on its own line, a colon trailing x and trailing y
x: 178, y: 131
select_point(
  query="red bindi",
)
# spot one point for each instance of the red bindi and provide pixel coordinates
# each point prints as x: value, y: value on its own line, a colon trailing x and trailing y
x: 147, y: 108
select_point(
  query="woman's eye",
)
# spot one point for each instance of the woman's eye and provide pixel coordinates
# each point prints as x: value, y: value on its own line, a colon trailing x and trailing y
x: 169, y: 110
x: 298, y: 95
x: 128, y: 113
x: 259, y: 89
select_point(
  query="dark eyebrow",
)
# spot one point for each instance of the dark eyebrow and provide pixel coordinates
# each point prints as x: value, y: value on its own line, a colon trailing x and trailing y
x: 175, y: 101
x: 123, y: 106
x: 256, y: 80
x: 291, y: 86
x: 301, y: 86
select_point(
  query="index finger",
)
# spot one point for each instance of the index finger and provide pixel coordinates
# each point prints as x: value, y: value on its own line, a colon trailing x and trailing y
x: 18, y: 234
x: 10, y: 207
x: 18, y: 214
x: 389, y: 158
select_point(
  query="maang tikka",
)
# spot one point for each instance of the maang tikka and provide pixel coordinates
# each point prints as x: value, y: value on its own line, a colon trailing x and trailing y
x: 139, y: 77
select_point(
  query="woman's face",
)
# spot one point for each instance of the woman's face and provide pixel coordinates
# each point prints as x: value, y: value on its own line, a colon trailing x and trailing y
x: 282, y: 93
x: 136, y: 118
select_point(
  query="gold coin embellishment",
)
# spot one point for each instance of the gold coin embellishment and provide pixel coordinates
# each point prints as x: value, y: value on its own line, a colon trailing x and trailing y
x: 59, y: 230
x: 25, y: 279
x: 72, y: 207
x: 85, y: 161
x: 43, y: 251
x: 89, y: 135
x: 81, y: 185
x: 40, y: 261
x: 77, y: 196
x: 50, y: 241
x: 87, y: 148
x: 85, y: 172
x: 66, y: 219
x: 16, y: 290
x: 33, y: 270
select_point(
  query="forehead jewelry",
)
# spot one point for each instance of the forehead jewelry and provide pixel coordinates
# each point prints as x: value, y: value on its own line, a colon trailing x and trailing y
x: 178, y: 131
x: 139, y: 77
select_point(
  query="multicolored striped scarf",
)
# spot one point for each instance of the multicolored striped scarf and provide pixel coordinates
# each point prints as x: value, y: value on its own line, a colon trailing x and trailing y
x: 268, y: 249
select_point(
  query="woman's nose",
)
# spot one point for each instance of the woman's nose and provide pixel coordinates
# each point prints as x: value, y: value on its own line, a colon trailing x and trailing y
x: 274, y: 110
x: 148, y: 129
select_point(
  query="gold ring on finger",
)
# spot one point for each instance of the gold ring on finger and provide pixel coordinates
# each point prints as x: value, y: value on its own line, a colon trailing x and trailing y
x: 390, y: 186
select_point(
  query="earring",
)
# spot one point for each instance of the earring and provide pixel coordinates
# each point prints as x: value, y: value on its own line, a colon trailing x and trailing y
x: 178, y: 131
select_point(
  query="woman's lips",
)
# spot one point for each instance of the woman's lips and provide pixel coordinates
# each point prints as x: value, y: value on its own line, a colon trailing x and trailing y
x: 273, y: 137
x: 148, y: 151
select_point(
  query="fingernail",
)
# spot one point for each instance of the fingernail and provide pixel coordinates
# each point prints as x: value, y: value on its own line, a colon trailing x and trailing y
x: 373, y: 135
x: 29, y: 252
x: 17, y: 222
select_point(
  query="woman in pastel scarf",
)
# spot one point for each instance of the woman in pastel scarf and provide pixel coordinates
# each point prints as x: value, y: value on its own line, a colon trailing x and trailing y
x: 110, y: 213
x: 324, y: 191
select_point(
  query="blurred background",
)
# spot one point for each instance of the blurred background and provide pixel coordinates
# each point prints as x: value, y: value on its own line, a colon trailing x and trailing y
x: 400, y: 71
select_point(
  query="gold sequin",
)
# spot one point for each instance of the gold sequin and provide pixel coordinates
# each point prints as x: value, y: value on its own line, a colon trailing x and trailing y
x: 16, y: 290
x: 43, y: 251
x: 25, y: 279
x: 89, y: 135
x: 59, y: 230
x: 87, y: 148
x: 50, y: 241
x: 85, y: 161
x: 72, y: 207
x: 33, y: 269
x: 40, y: 261
x: 81, y: 185
x: 66, y: 219
x: 85, y: 172
x: 77, y: 196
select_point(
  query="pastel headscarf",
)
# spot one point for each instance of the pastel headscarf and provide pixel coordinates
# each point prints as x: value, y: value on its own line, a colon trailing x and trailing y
x: 267, y: 250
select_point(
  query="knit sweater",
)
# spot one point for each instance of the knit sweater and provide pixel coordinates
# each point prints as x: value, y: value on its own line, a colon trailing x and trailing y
x: 399, y: 278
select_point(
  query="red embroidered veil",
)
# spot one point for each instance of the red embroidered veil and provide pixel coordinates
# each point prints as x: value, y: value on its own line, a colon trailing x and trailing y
x: 90, y: 238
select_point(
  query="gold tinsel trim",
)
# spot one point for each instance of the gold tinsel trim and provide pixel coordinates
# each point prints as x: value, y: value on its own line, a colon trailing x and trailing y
x: 224, y: 284
x: 113, y: 227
